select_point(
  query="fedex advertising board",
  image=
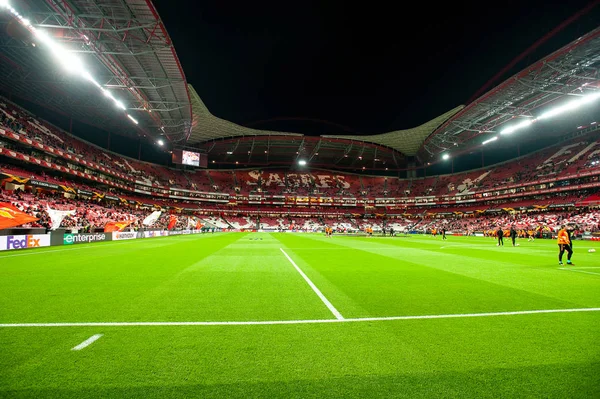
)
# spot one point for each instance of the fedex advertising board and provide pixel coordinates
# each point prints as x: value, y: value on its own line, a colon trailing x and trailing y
x: 8, y: 243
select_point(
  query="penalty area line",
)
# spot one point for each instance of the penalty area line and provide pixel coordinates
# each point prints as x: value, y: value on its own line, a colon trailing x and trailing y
x: 319, y: 321
x: 332, y: 308
x: 87, y: 342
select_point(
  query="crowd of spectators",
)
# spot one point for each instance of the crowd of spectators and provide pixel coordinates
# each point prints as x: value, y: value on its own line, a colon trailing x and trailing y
x: 90, y: 215
x: 570, y: 157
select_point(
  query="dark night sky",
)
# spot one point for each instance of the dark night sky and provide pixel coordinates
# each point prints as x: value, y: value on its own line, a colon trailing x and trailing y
x: 364, y: 69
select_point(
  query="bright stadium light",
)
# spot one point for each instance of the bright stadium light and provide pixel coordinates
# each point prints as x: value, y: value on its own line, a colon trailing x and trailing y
x: 160, y: 142
x: 490, y: 140
x: 519, y: 125
x: 445, y: 157
x: 302, y: 162
x: 108, y: 94
x: 571, y: 105
x: 71, y: 62
x: 89, y: 77
x: 590, y: 97
x: 132, y: 118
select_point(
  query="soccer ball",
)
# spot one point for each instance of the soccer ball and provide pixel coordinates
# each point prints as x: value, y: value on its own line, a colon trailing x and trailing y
x: 518, y: 245
x: 498, y: 244
x: 591, y: 250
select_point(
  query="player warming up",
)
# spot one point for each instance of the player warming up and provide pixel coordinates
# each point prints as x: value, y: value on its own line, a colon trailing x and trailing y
x: 500, y: 235
x: 513, y: 235
x: 564, y: 244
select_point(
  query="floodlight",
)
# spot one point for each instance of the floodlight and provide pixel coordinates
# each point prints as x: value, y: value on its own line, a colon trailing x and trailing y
x: 71, y: 62
x: 490, y: 140
x: 4, y: 3
x: 563, y: 108
x: 132, y: 118
x: 590, y: 97
x: 445, y: 156
x: 519, y: 125
x: 108, y: 94
x: 160, y: 142
x: 302, y: 162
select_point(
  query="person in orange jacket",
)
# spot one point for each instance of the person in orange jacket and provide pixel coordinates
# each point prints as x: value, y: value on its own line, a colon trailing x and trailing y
x: 564, y: 244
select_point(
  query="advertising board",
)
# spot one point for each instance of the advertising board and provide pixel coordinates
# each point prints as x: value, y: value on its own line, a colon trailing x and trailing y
x: 69, y: 239
x: 8, y: 243
x: 124, y: 235
x: 152, y: 234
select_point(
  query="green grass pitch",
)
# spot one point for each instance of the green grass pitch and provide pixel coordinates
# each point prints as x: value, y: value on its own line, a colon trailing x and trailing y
x: 292, y: 344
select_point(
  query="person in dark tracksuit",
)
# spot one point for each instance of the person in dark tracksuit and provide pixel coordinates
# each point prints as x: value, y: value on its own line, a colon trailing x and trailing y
x: 500, y: 235
x: 513, y: 235
x: 443, y: 233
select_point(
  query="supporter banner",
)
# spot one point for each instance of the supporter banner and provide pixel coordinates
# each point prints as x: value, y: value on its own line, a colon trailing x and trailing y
x: 85, y: 192
x: 12, y: 217
x: 116, y: 226
x: 69, y: 239
x: 57, y: 216
x: 124, y: 235
x: 152, y: 218
x: 172, y: 222
x: 8, y: 243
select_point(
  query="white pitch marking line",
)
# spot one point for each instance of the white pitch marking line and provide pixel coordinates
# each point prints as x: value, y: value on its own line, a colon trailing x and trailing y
x: 321, y: 321
x: 315, y: 289
x: 54, y: 250
x: 578, y: 271
x: 87, y: 342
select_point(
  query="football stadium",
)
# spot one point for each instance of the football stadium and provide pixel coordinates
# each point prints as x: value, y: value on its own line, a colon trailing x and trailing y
x: 458, y: 258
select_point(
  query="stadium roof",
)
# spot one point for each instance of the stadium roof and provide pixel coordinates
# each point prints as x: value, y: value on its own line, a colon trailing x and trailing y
x: 286, y: 150
x: 124, y: 46
x: 206, y: 126
x: 572, y: 71
x: 406, y: 141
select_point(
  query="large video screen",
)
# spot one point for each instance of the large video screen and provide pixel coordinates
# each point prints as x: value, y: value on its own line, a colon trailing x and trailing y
x: 190, y: 158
